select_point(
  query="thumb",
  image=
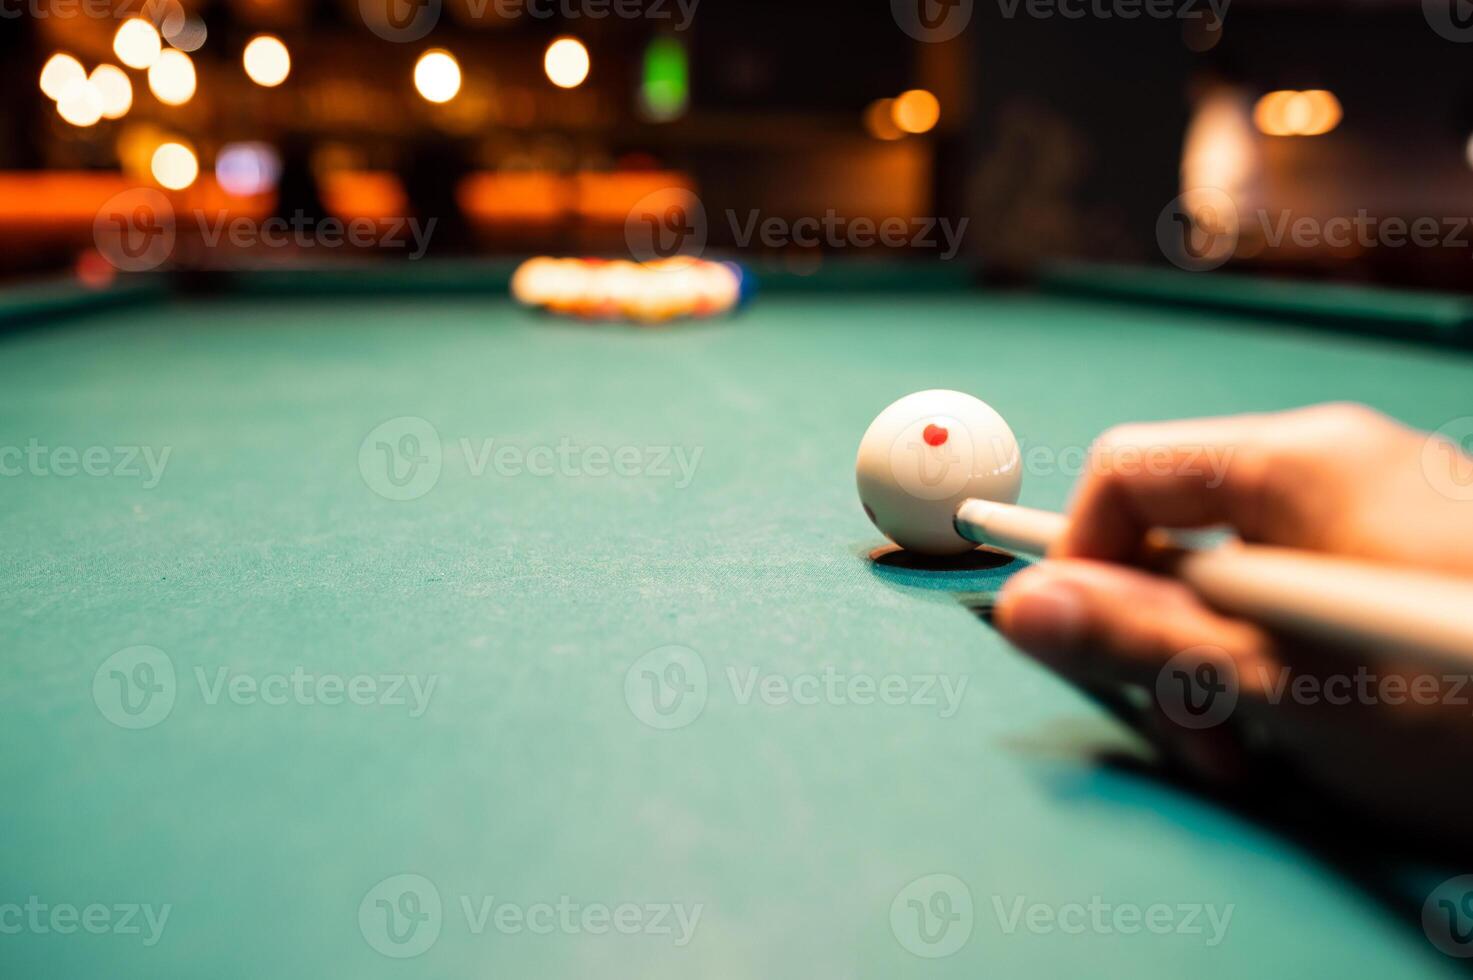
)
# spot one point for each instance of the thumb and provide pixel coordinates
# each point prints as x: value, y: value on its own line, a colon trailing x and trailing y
x: 1103, y: 627
x: 1109, y: 622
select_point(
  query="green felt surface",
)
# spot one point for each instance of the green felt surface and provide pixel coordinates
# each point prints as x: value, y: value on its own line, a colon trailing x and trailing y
x: 493, y: 276
x: 1437, y: 317
x: 49, y: 300
x: 263, y: 550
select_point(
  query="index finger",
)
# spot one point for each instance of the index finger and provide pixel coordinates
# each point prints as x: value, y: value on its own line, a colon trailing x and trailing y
x: 1274, y: 478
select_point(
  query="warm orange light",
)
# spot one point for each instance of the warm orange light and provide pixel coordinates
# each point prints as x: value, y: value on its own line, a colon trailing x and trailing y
x: 59, y: 71
x: 114, y: 88
x: 1270, y: 114
x: 566, y: 62
x: 1298, y: 113
x: 137, y: 43
x: 437, y: 76
x: 54, y: 199
x: 135, y: 145
x: 1290, y: 113
x: 267, y: 61
x: 1325, y: 113
x: 171, y: 79
x: 80, y: 103
x: 1220, y: 149
x: 175, y: 166
x: 880, y: 122
x: 187, y: 33
x: 916, y: 111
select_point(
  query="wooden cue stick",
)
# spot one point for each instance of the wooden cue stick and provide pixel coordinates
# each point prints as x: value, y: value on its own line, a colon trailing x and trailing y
x: 1331, y: 599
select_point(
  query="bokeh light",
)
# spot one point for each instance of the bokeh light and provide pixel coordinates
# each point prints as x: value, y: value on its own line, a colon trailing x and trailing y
x: 80, y: 103
x: 244, y: 169
x: 174, y: 166
x: 1220, y: 149
x: 267, y: 61
x: 137, y: 43
x: 186, y: 33
x: 116, y: 90
x: 1298, y: 113
x: 172, y: 79
x: 1325, y: 112
x: 1290, y: 113
x: 664, y: 91
x: 916, y: 111
x: 167, y: 15
x: 94, y: 271
x: 566, y: 62
x: 879, y: 120
x: 1269, y: 113
x: 59, y: 71
x: 135, y: 145
x: 437, y: 76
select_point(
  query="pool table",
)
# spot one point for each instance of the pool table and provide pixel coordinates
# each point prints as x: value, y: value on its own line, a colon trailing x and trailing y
x: 362, y: 631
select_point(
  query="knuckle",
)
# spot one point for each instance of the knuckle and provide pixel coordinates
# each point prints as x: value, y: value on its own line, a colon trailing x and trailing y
x: 1117, y: 443
x: 1297, y: 477
x: 1125, y: 434
x: 1344, y: 419
x: 1333, y: 438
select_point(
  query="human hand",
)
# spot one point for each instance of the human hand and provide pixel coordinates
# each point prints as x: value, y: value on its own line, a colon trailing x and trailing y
x: 1388, y: 734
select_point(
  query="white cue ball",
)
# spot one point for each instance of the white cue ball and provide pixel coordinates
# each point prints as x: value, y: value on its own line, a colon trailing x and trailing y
x: 926, y: 454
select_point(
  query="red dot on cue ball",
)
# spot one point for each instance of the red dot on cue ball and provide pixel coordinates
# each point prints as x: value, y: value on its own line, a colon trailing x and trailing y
x: 935, y: 435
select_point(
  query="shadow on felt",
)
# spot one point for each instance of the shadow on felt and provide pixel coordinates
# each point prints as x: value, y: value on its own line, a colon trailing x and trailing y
x: 1394, y: 869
